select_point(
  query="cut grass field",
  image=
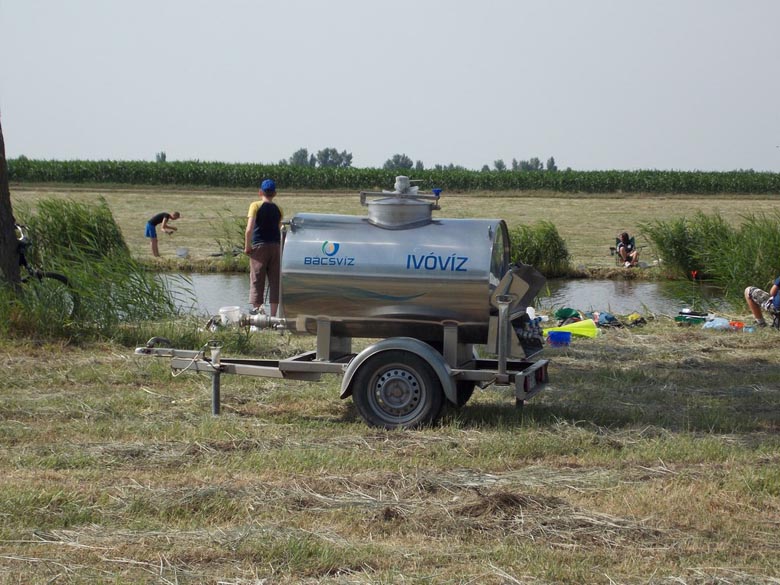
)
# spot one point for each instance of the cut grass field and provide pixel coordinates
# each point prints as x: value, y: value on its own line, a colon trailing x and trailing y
x: 587, y: 223
x: 652, y: 457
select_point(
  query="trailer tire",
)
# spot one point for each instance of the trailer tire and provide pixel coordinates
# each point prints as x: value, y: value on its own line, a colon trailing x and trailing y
x: 397, y: 389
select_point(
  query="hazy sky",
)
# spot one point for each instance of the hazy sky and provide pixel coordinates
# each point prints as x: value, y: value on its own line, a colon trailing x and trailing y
x: 598, y: 84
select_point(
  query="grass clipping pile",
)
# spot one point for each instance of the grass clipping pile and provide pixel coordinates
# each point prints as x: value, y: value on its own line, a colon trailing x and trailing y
x: 652, y: 457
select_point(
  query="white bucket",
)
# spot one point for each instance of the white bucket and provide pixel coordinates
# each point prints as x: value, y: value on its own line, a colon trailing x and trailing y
x: 182, y: 252
x: 230, y: 315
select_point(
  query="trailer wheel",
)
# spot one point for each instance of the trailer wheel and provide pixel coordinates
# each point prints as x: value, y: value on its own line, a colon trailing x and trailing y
x: 397, y: 389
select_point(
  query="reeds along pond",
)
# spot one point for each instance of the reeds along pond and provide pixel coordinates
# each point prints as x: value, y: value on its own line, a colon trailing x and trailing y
x: 83, y: 242
x: 542, y: 247
x: 707, y: 246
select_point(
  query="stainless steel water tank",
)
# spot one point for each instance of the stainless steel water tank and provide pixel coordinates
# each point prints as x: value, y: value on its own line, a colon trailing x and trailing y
x: 393, y: 273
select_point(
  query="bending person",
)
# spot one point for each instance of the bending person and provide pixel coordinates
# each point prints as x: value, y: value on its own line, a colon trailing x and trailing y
x: 626, y: 248
x: 151, y: 227
x: 758, y: 300
x: 262, y: 243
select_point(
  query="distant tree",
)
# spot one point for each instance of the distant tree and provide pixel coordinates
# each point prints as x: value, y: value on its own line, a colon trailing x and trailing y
x: 449, y: 167
x: 398, y: 162
x: 499, y: 165
x: 330, y: 157
x: 300, y: 158
x: 418, y: 166
x: 533, y: 164
x: 312, y: 160
x: 326, y: 157
x: 551, y: 165
x: 485, y: 169
x: 160, y: 157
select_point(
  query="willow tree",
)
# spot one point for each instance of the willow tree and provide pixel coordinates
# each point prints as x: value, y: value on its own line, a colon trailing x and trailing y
x: 9, y: 257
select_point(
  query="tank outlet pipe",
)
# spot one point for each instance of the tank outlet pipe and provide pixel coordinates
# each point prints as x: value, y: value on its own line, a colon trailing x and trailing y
x: 503, y: 301
x: 264, y: 321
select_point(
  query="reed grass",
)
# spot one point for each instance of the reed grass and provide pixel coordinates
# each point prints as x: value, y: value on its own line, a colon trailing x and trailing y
x: 731, y: 255
x: 541, y: 246
x: 83, y: 242
x: 229, y: 229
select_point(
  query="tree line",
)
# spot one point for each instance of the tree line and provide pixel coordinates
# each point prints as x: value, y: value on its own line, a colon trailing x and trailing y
x: 332, y: 158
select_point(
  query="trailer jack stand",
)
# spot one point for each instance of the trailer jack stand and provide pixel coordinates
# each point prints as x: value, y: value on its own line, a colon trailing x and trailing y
x: 215, y: 390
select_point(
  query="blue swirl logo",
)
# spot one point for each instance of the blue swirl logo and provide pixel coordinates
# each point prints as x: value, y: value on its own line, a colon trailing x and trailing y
x: 330, y: 248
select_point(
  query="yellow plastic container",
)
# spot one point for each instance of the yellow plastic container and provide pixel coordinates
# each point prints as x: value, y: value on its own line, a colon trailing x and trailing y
x: 584, y: 328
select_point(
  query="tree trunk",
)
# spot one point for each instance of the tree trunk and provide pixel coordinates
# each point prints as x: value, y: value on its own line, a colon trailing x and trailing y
x: 9, y: 256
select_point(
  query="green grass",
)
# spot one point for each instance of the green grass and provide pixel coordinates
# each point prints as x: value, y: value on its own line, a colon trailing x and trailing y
x: 651, y: 457
x: 587, y: 223
x: 660, y: 443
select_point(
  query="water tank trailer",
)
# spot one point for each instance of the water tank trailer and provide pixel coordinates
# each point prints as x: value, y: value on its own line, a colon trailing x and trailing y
x: 429, y: 290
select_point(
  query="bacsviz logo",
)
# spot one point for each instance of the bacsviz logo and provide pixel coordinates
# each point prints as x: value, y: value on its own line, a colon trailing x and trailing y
x: 330, y: 258
x: 330, y: 248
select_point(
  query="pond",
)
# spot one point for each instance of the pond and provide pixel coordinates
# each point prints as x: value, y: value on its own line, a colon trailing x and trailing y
x: 206, y: 293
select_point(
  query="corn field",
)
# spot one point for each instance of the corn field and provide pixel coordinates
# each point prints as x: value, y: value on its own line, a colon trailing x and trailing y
x: 244, y: 175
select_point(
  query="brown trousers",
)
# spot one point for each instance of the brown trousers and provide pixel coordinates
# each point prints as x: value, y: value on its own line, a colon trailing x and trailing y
x: 264, y: 261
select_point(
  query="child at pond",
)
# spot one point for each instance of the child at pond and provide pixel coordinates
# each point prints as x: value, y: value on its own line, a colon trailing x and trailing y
x: 758, y: 300
x: 627, y: 251
x: 151, y: 228
x: 263, y: 246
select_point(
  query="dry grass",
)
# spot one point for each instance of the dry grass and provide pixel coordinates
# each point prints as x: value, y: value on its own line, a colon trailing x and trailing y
x: 652, y: 458
x: 587, y: 223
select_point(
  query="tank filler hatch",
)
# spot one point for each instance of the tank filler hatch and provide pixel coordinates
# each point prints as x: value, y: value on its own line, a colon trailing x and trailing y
x: 404, y: 207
